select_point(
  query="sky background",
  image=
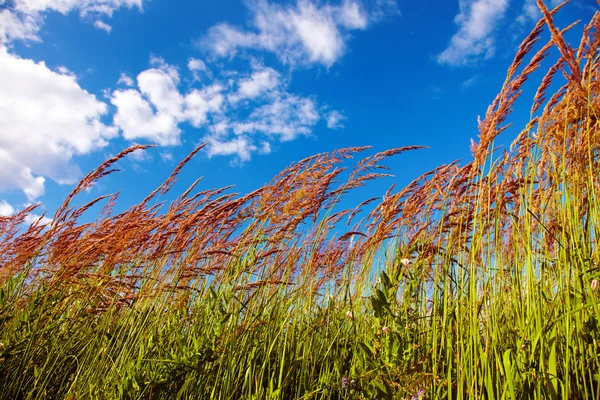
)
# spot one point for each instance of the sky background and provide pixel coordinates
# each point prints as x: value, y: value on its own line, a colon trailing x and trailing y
x: 264, y: 83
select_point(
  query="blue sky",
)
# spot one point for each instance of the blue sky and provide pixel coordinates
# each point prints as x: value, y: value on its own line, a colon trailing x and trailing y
x: 264, y: 83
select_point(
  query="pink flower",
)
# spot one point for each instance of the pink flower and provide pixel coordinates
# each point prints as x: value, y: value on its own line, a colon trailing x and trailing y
x: 595, y: 284
x: 349, y: 314
x: 385, y: 329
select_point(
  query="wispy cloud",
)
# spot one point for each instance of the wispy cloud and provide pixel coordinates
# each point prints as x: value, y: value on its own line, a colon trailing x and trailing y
x: 239, y: 146
x: 531, y: 12
x: 474, y: 41
x: 102, y: 26
x: 301, y: 34
x: 23, y: 19
x: 126, y: 80
x: 437, y: 93
x: 259, y: 83
x: 286, y: 117
x: 196, y: 65
x: 335, y: 119
x: 581, y: 4
x: 469, y: 82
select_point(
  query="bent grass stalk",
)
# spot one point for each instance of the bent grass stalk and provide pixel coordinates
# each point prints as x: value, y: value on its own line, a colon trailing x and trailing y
x: 474, y: 281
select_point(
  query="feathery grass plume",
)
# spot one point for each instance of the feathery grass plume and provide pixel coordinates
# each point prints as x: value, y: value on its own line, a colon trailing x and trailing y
x: 90, y: 179
x: 476, y: 280
x: 565, y: 50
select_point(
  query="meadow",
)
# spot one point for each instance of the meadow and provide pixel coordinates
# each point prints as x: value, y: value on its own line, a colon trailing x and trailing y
x: 475, y: 281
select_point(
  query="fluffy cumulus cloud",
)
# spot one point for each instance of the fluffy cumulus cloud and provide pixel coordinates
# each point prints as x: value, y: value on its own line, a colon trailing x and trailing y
x: 23, y: 19
x: 6, y: 210
x: 46, y: 119
x: 335, y: 119
x: 261, y: 82
x: 196, y: 65
x: 154, y: 110
x: 239, y: 146
x: 298, y: 34
x: 18, y: 26
x: 241, y: 113
x: 477, y: 22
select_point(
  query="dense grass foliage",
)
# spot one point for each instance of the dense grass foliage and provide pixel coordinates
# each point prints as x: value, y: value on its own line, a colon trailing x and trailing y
x: 474, y: 281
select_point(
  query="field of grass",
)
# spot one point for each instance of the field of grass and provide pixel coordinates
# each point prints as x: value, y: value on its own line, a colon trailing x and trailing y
x: 474, y: 281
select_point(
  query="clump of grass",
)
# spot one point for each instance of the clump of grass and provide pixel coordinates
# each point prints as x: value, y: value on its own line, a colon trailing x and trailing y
x: 474, y: 281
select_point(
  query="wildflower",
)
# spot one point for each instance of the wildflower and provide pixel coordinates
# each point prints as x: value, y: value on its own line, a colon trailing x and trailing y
x: 344, y: 382
x: 595, y: 284
x: 349, y: 314
x: 385, y: 329
x: 418, y: 396
x: 405, y: 262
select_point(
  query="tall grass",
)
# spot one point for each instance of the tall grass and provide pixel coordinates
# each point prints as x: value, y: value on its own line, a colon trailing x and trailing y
x: 474, y: 281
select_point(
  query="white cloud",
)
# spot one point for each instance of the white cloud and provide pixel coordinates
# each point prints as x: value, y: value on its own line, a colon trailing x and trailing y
x: 126, y: 80
x: 31, y: 218
x: 474, y: 40
x: 159, y: 86
x: 6, y: 210
x: 287, y: 117
x: 166, y: 156
x: 18, y: 27
x: 352, y: 16
x: 302, y: 34
x: 335, y: 120
x: 239, y: 146
x: 102, y: 26
x: 268, y: 114
x: 199, y: 103
x: 261, y: 81
x: 154, y: 110
x: 136, y: 118
x: 531, y: 10
x: 242, y: 114
x: 61, y: 69
x: 24, y: 18
x: 46, y: 119
x: 195, y: 65
x: 469, y: 82
x: 84, y: 6
x: 265, y: 148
